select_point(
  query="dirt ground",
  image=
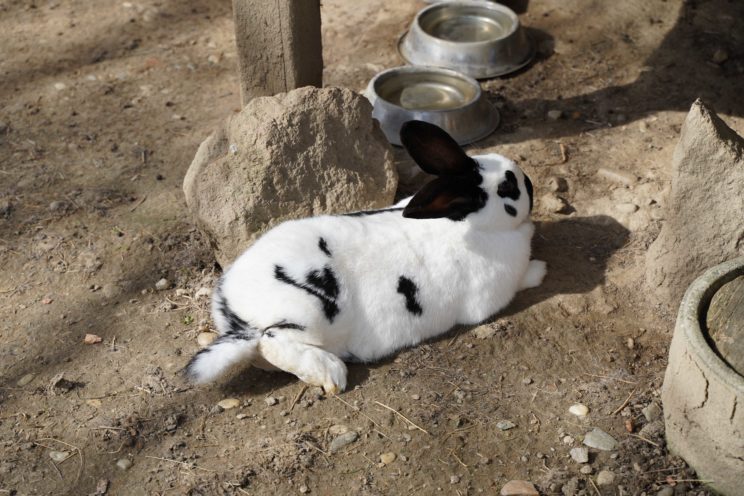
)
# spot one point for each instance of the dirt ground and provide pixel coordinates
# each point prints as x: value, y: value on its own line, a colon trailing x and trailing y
x: 102, y: 107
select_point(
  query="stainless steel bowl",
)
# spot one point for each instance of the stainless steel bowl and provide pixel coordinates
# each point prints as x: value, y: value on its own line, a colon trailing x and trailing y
x: 440, y: 96
x: 479, y: 38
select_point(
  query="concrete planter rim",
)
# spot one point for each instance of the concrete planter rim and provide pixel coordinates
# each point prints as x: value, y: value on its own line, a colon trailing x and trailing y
x: 692, y: 312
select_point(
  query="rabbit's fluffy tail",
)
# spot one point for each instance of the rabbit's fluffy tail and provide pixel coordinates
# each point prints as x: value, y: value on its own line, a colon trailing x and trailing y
x: 219, y: 357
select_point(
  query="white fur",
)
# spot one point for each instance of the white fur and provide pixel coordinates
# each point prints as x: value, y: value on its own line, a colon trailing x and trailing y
x: 465, y: 272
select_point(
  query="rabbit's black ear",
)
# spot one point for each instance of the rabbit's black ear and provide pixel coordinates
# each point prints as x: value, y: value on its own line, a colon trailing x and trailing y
x: 434, y: 150
x: 447, y: 197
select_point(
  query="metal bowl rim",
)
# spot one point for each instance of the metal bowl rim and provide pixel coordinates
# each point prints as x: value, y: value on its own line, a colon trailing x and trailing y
x: 428, y: 68
x: 488, y: 75
x: 480, y: 3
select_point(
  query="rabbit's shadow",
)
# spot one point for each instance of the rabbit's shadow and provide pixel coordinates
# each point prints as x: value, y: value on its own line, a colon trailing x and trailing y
x: 576, y: 249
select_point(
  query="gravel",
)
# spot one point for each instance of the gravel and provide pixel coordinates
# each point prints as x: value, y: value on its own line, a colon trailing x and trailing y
x: 580, y: 455
x: 579, y: 410
x: 343, y: 440
x: 124, y: 463
x: 59, y: 456
x: 162, y: 284
x: 605, y: 478
x: 229, y: 403
x: 519, y: 488
x: 505, y: 425
x: 600, y: 440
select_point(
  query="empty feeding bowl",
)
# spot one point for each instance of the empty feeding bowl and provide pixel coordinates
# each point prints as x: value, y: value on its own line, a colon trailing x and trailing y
x: 439, y: 96
x: 479, y: 38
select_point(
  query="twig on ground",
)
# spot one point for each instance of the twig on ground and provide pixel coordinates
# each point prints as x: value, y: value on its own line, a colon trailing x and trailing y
x: 594, y: 486
x: 357, y: 409
x: 624, y: 403
x: 298, y: 396
x: 187, y: 465
x: 644, y: 439
x: 79, y: 451
x: 403, y: 417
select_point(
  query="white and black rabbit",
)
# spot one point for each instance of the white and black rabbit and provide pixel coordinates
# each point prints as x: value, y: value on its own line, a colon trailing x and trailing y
x: 313, y: 293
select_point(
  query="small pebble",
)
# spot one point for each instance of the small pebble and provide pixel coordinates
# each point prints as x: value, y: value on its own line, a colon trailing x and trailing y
x: 605, y: 478
x: 387, y: 458
x: 271, y: 401
x: 216, y: 409
x: 343, y: 440
x: 454, y: 479
x: 626, y: 208
x: 568, y: 440
x: 586, y: 469
x: 630, y: 343
x: 557, y: 184
x: 59, y: 456
x: 720, y: 56
x: 555, y: 204
x: 23, y: 381
x: 229, y: 403
x: 233, y: 148
x: 519, y: 488
x: 415, y: 397
x: 203, y: 293
x: 599, y: 439
x: 617, y: 176
x: 204, y: 339
x: 666, y: 491
x: 338, y: 429
x: 580, y: 455
x: 92, y: 339
x: 579, y: 410
x: 304, y: 489
x: 527, y: 381
x: 554, y: 115
x: 59, y: 86
x: 651, y: 412
x: 124, y: 463
x: 505, y: 425
x: 484, y: 332
x: 162, y: 284
x: 241, y: 416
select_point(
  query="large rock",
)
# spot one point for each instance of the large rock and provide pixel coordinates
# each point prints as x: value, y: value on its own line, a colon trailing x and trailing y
x: 307, y: 152
x: 705, y: 209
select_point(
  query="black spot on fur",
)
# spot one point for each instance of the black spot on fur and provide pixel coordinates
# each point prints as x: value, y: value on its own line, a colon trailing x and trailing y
x: 364, y: 213
x: 324, y: 247
x: 323, y: 285
x: 509, y: 188
x: 325, y: 282
x: 530, y: 192
x: 285, y: 325
x: 408, y: 289
x: 236, y: 325
x: 510, y: 210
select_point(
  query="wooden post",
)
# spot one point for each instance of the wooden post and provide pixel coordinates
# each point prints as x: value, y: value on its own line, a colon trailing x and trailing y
x: 279, y: 46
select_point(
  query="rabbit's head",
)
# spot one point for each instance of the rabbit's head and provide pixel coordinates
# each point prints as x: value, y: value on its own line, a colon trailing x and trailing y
x: 489, y: 191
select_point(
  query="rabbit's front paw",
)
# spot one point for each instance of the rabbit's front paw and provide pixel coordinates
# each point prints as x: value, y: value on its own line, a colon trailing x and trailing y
x: 321, y: 368
x: 534, y: 275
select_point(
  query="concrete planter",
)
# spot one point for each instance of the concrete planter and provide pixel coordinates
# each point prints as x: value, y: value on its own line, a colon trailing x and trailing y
x: 703, y: 397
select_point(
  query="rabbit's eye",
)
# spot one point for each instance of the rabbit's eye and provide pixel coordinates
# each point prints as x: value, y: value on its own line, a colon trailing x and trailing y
x: 509, y: 188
